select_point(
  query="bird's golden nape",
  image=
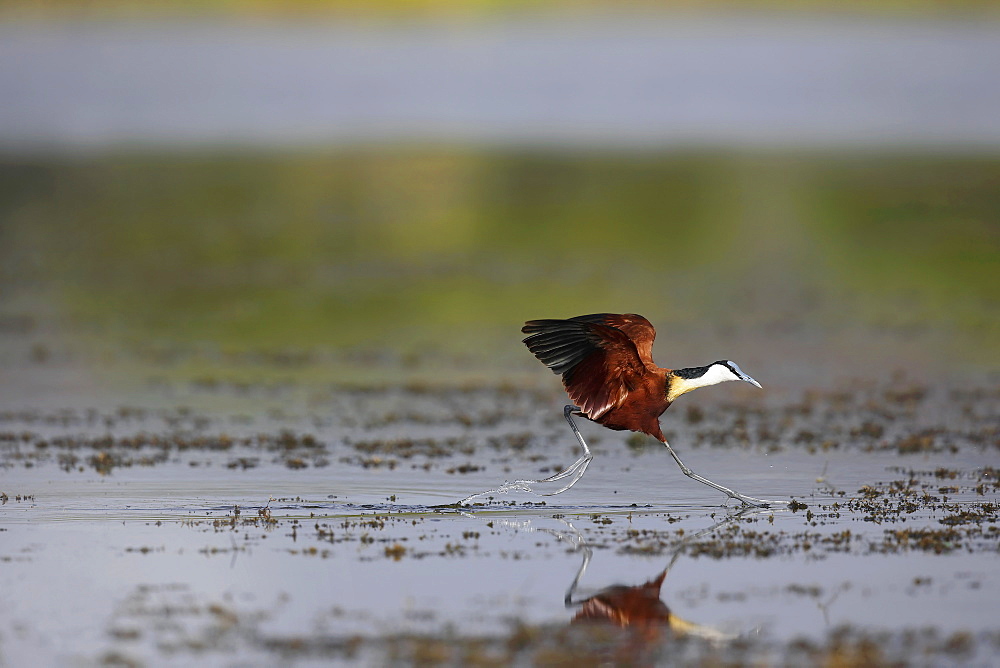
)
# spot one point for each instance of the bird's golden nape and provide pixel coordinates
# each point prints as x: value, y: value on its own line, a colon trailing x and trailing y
x: 607, y: 369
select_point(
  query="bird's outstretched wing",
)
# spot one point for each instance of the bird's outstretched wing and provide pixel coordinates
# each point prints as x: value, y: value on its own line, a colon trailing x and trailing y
x: 599, y: 363
x: 635, y: 327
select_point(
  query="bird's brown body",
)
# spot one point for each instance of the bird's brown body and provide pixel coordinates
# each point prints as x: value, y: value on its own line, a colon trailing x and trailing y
x: 642, y: 411
x: 606, y: 362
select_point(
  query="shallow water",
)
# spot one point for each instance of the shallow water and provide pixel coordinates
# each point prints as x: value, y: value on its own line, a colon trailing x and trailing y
x: 639, y: 81
x: 316, y: 532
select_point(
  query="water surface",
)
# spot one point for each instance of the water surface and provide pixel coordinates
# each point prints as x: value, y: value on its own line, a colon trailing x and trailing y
x: 166, y: 531
x: 638, y: 81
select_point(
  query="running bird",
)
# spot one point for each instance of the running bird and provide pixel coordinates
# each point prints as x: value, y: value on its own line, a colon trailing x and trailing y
x: 607, y: 368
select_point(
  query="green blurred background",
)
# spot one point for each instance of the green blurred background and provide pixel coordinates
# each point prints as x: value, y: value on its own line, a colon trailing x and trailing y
x: 436, y: 248
x: 443, y: 249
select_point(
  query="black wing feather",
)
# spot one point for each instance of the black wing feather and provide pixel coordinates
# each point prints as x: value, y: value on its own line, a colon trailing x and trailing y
x: 559, y: 344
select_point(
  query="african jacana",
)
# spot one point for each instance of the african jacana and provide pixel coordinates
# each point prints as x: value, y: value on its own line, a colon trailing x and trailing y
x: 607, y: 368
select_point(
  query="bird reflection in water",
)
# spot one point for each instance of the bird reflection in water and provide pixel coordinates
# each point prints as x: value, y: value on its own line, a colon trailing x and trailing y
x: 637, y: 609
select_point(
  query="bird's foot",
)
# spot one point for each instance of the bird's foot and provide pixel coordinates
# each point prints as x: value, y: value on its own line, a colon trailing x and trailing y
x: 573, y: 472
x: 515, y: 486
x: 755, y: 502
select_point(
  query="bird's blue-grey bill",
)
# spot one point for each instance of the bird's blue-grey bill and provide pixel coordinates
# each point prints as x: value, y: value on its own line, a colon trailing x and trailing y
x: 743, y: 376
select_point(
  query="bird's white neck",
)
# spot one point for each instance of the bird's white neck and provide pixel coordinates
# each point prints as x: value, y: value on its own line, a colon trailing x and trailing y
x: 713, y: 375
x: 716, y: 374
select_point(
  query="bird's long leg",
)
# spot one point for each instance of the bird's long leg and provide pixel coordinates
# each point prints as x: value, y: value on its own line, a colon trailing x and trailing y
x: 742, y: 498
x: 574, y: 471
